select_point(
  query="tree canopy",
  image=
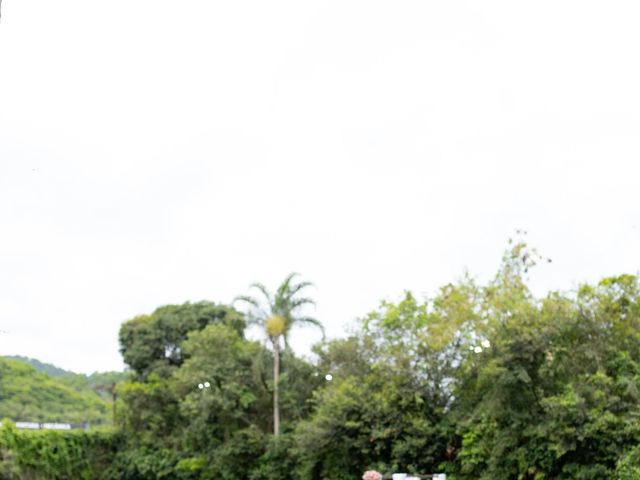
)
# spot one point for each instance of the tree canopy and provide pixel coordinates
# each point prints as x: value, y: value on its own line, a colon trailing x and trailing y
x: 153, y: 343
x: 481, y: 381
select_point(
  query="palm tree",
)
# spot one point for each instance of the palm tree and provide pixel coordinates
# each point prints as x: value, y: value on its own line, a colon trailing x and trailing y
x: 277, y: 313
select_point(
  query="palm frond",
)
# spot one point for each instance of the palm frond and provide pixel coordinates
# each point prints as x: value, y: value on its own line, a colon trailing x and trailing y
x: 256, y: 318
x: 311, y: 321
x: 298, y: 302
x: 282, y: 302
x: 296, y: 288
x: 256, y: 315
x: 264, y: 290
x: 284, y: 288
x: 246, y: 299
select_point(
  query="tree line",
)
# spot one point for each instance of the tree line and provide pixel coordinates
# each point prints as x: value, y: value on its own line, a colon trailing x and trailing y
x: 479, y: 381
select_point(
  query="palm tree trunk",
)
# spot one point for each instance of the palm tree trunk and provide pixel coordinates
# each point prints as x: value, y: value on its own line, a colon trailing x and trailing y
x: 276, y: 392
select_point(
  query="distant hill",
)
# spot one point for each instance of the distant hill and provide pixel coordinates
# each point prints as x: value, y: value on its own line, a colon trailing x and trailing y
x: 40, y: 366
x: 100, y: 382
x: 34, y: 391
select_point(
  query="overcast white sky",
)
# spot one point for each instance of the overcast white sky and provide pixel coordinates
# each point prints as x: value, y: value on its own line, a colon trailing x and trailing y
x: 155, y: 152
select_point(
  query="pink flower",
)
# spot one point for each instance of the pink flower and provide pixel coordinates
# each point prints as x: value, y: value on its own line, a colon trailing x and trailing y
x: 372, y: 475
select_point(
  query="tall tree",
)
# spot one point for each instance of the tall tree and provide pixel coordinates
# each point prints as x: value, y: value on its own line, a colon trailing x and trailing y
x: 153, y: 343
x: 277, y: 313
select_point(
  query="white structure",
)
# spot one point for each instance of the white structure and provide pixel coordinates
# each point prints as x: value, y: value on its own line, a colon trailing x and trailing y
x: 50, y: 426
x: 28, y: 425
x: 56, y: 426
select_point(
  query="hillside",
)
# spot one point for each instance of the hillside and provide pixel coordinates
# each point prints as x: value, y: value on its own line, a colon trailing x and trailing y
x: 27, y: 394
x: 47, y: 368
x: 99, y: 382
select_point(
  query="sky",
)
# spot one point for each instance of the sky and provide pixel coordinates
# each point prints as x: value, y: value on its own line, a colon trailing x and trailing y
x: 156, y: 152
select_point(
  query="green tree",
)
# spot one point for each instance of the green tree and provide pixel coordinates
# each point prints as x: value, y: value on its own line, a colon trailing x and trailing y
x: 153, y: 343
x: 385, y: 406
x: 233, y: 397
x: 277, y: 313
x: 481, y: 381
x: 555, y: 393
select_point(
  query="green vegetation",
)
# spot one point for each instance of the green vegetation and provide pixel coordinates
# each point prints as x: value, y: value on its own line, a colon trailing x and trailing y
x: 51, y: 455
x: 102, y: 383
x: 278, y: 318
x: 29, y: 395
x: 480, y: 382
x: 47, y: 368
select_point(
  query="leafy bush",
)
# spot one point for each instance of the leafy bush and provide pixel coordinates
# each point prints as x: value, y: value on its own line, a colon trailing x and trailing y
x: 54, y: 455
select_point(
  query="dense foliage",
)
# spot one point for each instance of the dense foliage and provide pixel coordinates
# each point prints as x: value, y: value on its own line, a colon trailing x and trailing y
x: 29, y: 395
x: 152, y: 343
x: 102, y: 383
x: 480, y: 381
x: 53, y: 455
